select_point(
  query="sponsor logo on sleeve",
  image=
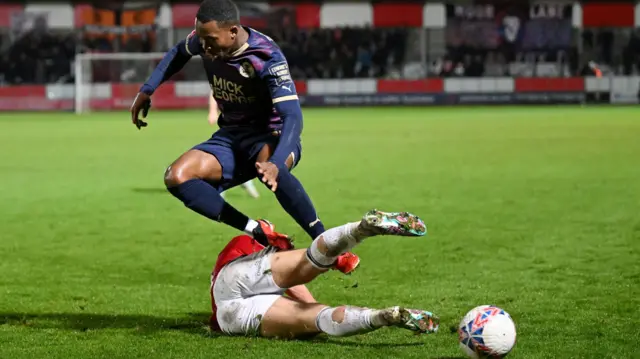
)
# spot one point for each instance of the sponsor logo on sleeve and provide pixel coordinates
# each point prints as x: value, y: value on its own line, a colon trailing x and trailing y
x: 281, y: 73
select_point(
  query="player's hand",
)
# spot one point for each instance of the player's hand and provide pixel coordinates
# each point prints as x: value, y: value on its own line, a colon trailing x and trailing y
x: 268, y: 173
x: 142, y: 103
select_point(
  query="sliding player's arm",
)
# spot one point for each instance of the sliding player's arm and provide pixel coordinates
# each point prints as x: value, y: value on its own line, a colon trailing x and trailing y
x: 172, y: 62
x: 287, y: 105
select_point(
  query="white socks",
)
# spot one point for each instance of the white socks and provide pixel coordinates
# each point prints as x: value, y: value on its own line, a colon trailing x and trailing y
x: 338, y: 240
x: 251, y: 225
x: 356, y: 321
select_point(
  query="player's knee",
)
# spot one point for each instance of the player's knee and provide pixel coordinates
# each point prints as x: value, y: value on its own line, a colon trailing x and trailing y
x: 175, y: 176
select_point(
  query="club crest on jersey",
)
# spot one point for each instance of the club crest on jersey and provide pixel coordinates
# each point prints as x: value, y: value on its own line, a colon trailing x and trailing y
x: 247, y: 70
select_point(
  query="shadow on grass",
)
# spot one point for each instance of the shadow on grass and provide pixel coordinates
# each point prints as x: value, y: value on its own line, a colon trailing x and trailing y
x: 192, y: 323
x: 196, y: 323
x: 346, y: 343
x: 149, y: 190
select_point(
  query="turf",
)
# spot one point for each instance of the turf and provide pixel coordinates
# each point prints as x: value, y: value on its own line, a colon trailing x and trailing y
x: 534, y: 209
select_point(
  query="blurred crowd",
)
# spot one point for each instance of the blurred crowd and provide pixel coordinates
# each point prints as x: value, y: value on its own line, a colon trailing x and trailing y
x: 343, y: 52
x: 37, y: 57
x: 47, y: 57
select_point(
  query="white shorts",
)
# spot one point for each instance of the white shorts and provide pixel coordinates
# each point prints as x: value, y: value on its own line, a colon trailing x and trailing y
x: 244, y: 291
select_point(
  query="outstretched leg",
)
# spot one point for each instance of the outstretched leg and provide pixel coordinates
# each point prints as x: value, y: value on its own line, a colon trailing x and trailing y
x: 299, y: 267
x: 190, y: 180
x: 288, y: 318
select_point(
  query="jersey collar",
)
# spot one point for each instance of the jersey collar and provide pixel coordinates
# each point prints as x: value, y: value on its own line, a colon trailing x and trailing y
x: 244, y: 46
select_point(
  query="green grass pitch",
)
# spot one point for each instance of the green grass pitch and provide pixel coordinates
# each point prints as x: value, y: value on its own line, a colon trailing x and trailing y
x: 534, y: 209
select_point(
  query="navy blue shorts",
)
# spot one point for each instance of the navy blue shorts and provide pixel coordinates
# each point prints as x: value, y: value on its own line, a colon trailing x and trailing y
x: 237, y: 150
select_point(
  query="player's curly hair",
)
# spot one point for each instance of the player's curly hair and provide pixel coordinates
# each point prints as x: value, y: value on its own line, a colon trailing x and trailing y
x: 222, y: 11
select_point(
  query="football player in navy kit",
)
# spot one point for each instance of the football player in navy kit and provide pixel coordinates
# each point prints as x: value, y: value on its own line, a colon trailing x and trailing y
x: 248, y: 186
x: 260, y: 124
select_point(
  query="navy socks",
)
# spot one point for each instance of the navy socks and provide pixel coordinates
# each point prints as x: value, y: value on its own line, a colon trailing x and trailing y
x: 296, y: 202
x: 203, y: 198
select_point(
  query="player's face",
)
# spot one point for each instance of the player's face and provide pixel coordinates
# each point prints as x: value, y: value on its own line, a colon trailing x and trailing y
x: 217, y: 40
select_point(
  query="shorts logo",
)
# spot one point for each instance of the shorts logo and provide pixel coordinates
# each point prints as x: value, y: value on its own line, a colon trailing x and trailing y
x: 247, y: 70
x: 280, y: 71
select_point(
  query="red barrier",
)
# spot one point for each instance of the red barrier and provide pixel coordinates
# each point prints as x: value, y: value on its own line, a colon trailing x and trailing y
x: 23, y: 91
x: 7, y: 11
x: 542, y: 84
x: 398, y: 14
x: 301, y: 86
x: 411, y: 86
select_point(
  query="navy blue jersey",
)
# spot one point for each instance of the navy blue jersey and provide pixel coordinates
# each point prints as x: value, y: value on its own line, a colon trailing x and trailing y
x: 247, y: 85
x: 253, y: 88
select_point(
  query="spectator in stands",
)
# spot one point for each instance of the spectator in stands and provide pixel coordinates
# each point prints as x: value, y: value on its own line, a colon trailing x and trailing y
x: 474, y: 66
x: 364, y: 61
x: 348, y: 61
x: 39, y: 57
x: 605, y: 40
x: 26, y: 69
x: 4, y: 68
x: 312, y: 53
x: 341, y: 52
x: 630, y: 54
x: 381, y: 56
x: 57, y: 65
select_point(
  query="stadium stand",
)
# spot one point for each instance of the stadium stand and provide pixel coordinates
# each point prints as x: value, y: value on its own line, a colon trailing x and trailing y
x: 336, y: 40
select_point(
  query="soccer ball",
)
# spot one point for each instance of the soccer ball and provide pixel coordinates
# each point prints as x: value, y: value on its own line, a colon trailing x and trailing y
x: 487, y: 332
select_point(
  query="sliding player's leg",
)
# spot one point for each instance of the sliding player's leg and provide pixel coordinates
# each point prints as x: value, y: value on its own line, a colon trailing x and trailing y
x: 291, y: 268
x: 293, y: 197
x: 288, y: 318
x: 248, y: 292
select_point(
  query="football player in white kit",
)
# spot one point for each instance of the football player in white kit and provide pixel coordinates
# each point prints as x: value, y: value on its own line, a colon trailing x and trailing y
x: 261, y: 291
